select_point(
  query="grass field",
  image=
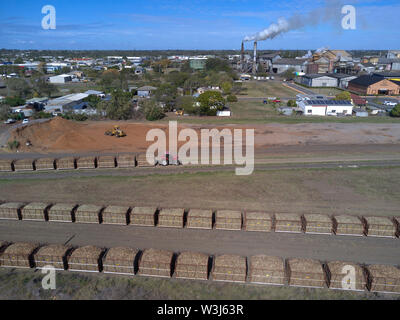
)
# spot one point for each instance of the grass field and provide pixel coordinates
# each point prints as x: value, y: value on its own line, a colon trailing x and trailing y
x: 359, y: 191
x: 266, y: 89
x: 26, y: 284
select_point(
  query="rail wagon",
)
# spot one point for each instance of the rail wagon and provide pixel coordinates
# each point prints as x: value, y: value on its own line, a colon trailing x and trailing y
x: 228, y: 220
x: 267, y: 270
x: 35, y: 211
x: 115, y: 215
x: 318, y: 223
x: 306, y: 273
x: 44, y: 164
x: 288, y: 222
x: 23, y: 165
x: 87, y: 259
x: 348, y: 225
x: 54, y: 255
x: 380, y: 227
x: 106, y: 162
x: 155, y: 262
x: 67, y: 163
x: 171, y: 217
x: 199, y: 219
x: 126, y: 161
x: 192, y: 265
x: 86, y: 162
x: 120, y: 260
x: 384, y: 278
x: 142, y: 161
x: 143, y: 216
x: 88, y: 213
x: 340, y: 276
x: 18, y: 255
x: 230, y: 268
x: 258, y: 221
x: 6, y: 165
x: 61, y: 212
x: 11, y: 210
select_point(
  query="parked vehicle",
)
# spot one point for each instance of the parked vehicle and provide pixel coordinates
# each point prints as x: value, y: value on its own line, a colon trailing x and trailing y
x: 9, y: 121
x: 390, y: 103
x: 25, y: 121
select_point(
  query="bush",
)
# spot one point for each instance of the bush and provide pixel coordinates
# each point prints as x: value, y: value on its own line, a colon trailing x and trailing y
x: 42, y: 115
x: 291, y: 103
x: 395, y: 111
x: 14, y: 101
x: 152, y: 111
x: 74, y: 116
x: 13, y: 144
x: 232, y: 98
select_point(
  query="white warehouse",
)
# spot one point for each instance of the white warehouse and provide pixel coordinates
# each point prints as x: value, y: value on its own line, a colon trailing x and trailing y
x: 326, y: 107
x: 62, y: 78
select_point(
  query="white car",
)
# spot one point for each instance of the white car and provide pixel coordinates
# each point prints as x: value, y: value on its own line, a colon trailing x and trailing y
x: 390, y: 103
x: 9, y: 121
x: 25, y: 121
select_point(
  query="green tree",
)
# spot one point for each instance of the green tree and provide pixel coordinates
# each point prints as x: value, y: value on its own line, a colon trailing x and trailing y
x: 291, y: 103
x: 20, y: 86
x: 14, y: 101
x: 152, y: 110
x: 231, y: 98
x: 18, y: 61
x: 119, y: 107
x: 211, y: 102
x: 4, y: 111
x: 43, y: 88
x: 289, y: 73
x: 93, y: 100
x: 217, y: 64
x: 186, y: 103
x: 395, y: 112
x: 226, y: 87
x: 345, y: 95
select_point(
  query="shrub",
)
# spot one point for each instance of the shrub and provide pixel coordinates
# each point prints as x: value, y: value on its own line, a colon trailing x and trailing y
x: 13, y: 144
x: 291, y: 103
x: 232, y: 98
x: 152, y: 111
x: 395, y: 111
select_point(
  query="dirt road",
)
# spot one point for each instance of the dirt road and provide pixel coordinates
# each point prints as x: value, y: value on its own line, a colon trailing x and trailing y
x: 322, y: 247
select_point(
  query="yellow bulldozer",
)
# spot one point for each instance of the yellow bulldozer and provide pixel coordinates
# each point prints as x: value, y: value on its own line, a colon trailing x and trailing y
x: 116, y: 131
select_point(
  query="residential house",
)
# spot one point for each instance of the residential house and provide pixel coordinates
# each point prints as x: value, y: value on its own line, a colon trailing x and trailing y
x: 146, y: 91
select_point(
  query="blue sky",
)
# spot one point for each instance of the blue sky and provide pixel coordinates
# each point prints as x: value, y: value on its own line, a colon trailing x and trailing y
x: 195, y: 24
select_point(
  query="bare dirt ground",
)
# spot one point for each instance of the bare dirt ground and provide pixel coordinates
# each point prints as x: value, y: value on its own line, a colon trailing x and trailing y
x: 59, y: 135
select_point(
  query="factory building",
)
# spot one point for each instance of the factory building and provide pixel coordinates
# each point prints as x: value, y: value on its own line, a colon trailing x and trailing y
x: 318, y: 80
x: 326, y: 107
x: 373, y: 85
x: 282, y: 65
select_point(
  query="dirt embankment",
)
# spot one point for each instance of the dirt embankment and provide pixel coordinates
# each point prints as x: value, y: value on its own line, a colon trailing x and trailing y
x: 60, y: 135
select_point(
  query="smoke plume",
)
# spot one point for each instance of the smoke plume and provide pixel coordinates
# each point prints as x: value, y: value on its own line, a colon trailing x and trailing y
x: 331, y: 12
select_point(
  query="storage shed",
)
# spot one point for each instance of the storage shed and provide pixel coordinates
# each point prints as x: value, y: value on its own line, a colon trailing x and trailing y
x: 126, y: 161
x: 115, y: 215
x: 18, y: 255
x: 106, y: 162
x: 11, y: 210
x: 156, y: 263
x: 340, y: 273
x: 199, y: 219
x: 86, y: 162
x: 61, y: 212
x: 380, y: 227
x: 23, y: 165
x: 192, y: 265
x: 288, y: 222
x: 258, y: 221
x: 85, y: 259
x: 54, y: 255
x: 229, y: 268
x: 35, y: 211
x: 45, y: 164
x: 267, y: 270
x: 120, y: 260
x: 306, y: 273
x: 67, y: 163
x: 348, y: 225
x: 143, y: 216
x: 6, y: 165
x: 88, y: 213
x: 171, y: 217
x: 228, y: 220
x: 318, y: 223
x: 384, y: 278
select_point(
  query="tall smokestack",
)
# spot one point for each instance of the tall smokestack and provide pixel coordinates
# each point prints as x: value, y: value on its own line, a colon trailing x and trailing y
x: 242, y: 58
x: 255, y: 58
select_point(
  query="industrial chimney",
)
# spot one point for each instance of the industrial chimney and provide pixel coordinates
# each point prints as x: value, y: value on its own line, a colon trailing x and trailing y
x: 255, y: 59
x: 242, y: 58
